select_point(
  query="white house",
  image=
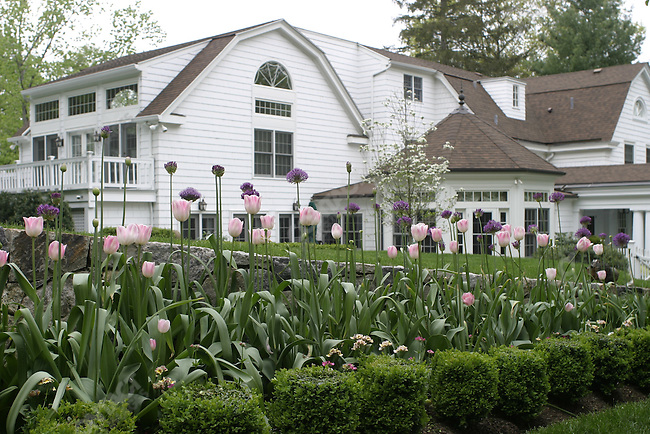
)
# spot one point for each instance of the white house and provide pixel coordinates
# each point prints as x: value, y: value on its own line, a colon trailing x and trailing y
x: 265, y: 99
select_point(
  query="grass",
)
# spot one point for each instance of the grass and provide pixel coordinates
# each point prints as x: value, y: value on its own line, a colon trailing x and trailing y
x: 625, y: 419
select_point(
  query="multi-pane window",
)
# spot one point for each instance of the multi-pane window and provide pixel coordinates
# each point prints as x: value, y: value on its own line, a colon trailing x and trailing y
x: 81, y: 104
x: 412, y: 87
x: 540, y: 218
x: 515, y: 95
x: 482, y: 196
x: 76, y: 145
x: 122, y: 142
x: 273, y: 74
x: 46, y: 111
x: 122, y: 96
x: 44, y: 147
x: 536, y: 196
x: 257, y: 223
x: 481, y: 241
x: 629, y: 153
x: 273, y: 152
x: 289, y: 228
x: 272, y: 108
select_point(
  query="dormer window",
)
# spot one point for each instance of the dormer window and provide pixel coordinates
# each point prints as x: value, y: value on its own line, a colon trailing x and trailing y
x: 515, y: 95
x: 273, y: 74
x: 639, y: 109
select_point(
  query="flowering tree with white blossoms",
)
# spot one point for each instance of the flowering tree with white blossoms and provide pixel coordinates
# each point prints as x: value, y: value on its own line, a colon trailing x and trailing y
x: 397, y: 160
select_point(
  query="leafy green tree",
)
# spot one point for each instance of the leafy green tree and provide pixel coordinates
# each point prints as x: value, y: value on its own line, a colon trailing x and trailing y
x: 488, y: 36
x: 48, y: 39
x: 585, y: 34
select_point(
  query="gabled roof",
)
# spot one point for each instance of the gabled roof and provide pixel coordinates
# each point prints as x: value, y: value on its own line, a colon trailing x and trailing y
x: 611, y: 174
x: 359, y: 189
x: 478, y: 146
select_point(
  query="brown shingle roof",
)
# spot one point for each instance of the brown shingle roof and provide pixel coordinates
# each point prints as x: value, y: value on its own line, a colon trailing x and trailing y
x: 612, y: 174
x: 480, y: 146
x: 359, y: 189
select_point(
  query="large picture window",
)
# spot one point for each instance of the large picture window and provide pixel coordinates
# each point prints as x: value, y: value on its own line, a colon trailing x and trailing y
x: 273, y: 152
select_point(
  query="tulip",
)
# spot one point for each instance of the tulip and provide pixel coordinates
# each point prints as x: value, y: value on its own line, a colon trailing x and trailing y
x: 181, y: 209
x: 468, y: 298
x: 568, y: 307
x: 258, y: 236
x: 33, y: 226
x: 337, y: 231
x: 462, y: 225
x: 436, y: 234
x: 503, y: 238
x: 111, y: 244
x: 235, y: 227
x: 56, y: 250
x: 127, y: 235
x: 391, y: 252
x: 542, y: 240
x: 551, y: 273
x: 583, y: 244
x: 414, y: 251
x: 309, y: 216
x: 252, y: 204
x: 268, y: 221
x: 419, y: 231
x: 507, y: 228
x: 602, y: 274
x: 4, y: 258
x: 152, y: 344
x: 144, y: 233
x: 163, y: 325
x: 453, y: 246
x: 148, y: 268
x: 518, y: 233
x: 598, y: 249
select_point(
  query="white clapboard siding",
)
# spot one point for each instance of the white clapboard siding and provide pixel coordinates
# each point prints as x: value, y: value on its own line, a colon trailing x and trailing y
x: 632, y: 129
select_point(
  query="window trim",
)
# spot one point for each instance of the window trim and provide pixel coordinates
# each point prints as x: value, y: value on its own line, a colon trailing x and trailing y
x: 272, y: 108
x: 50, y: 110
x: 411, y: 91
x: 274, y: 154
x: 628, y: 147
x: 88, y: 105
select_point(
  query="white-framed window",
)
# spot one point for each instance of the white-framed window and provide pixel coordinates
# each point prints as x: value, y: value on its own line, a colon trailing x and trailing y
x: 122, y: 142
x: 289, y: 225
x: 515, y: 95
x: 273, y: 74
x: 80, y: 143
x: 540, y: 218
x: 80, y: 104
x: 482, y: 196
x: 257, y: 223
x: 536, y: 196
x: 629, y: 153
x: 46, y: 111
x: 122, y: 96
x: 639, y: 109
x: 272, y: 108
x: 412, y: 87
x: 44, y: 147
x: 273, y: 153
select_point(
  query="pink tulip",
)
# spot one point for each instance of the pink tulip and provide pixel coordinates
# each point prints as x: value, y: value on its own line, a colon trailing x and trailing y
x: 583, y: 244
x: 148, y: 268
x: 258, y: 236
x: 111, y: 244
x: 337, y: 231
x: 551, y: 273
x: 507, y: 228
x: 181, y: 209
x: 542, y: 240
x: 391, y: 251
x: 127, y: 235
x: 252, y: 204
x: 152, y: 344
x: 33, y: 226
x: 568, y: 307
x: 462, y: 225
x: 268, y: 221
x: 518, y: 233
x: 503, y: 238
x: 309, y: 216
x: 419, y: 231
x: 468, y: 298
x: 144, y: 233
x: 436, y: 234
x: 164, y: 325
x: 235, y: 227
x: 414, y: 251
x: 453, y: 246
x: 598, y: 249
x: 4, y: 258
x: 56, y: 251
x: 602, y: 274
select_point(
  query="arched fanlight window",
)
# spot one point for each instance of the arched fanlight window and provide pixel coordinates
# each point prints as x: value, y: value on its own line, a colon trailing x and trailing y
x: 639, y: 108
x: 274, y: 75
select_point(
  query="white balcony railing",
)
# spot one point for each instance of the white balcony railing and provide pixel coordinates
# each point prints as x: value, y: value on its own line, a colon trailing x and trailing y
x: 81, y: 173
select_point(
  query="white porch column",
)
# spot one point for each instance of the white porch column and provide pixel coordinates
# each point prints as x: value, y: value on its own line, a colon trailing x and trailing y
x: 638, y: 221
x: 646, y: 245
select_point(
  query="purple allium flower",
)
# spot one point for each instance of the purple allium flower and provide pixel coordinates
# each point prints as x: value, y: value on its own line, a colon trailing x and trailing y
x: 445, y: 214
x: 48, y: 212
x: 585, y: 220
x: 246, y: 186
x: 404, y: 220
x: 532, y: 229
x: 348, y: 166
x: 603, y: 236
x: 479, y: 237
x: 296, y: 176
x: 105, y: 132
x: 538, y: 197
x: 218, y: 170
x: 353, y: 208
x: 556, y: 197
x: 478, y: 213
x: 401, y: 206
x: 171, y: 167
x: 583, y: 232
x: 516, y: 244
x: 190, y: 194
x: 620, y: 240
x: 491, y: 227
x: 252, y: 192
x: 455, y: 217
x: 56, y: 198
x: 491, y: 247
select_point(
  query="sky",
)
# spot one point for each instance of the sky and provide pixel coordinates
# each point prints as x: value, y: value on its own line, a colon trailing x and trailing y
x: 369, y: 22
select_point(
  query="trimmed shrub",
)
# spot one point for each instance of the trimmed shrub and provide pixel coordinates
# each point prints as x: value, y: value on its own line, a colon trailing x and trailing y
x: 82, y: 417
x: 611, y: 355
x: 640, y: 363
x: 463, y: 385
x: 209, y: 407
x: 314, y: 400
x: 569, y: 366
x: 523, y: 382
x: 393, y: 392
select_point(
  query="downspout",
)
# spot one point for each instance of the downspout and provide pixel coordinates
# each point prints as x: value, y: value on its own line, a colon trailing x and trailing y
x: 550, y: 157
